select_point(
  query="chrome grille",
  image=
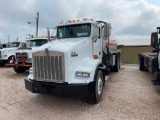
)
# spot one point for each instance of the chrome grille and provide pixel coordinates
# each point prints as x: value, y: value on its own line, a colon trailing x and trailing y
x: 20, y: 55
x: 49, y: 67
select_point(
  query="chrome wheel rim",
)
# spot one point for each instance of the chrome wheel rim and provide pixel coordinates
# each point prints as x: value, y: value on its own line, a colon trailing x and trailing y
x: 100, y: 85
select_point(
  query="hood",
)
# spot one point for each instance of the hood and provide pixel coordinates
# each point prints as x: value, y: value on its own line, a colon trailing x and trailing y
x: 63, y: 45
x: 21, y: 50
x: 8, y: 49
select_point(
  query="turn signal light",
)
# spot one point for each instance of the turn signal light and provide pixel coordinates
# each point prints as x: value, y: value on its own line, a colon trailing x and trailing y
x: 91, y: 20
x: 152, y: 39
x: 95, y: 56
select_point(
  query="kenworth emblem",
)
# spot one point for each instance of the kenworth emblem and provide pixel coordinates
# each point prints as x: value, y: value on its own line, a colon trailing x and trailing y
x: 74, y: 54
x: 46, y: 51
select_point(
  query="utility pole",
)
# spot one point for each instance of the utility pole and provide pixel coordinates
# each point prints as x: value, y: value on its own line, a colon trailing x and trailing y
x: 37, y: 21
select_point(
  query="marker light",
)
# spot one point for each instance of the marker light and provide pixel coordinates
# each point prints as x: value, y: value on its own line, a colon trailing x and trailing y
x: 152, y: 39
x: 91, y: 20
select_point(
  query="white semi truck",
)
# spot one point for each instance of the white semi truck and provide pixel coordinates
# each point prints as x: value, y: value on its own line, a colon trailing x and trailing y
x: 76, y: 63
x: 22, y: 60
x: 150, y: 60
x: 6, y: 54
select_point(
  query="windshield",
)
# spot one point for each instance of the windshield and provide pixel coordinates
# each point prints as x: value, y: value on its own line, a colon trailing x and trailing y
x: 36, y: 42
x: 22, y: 45
x: 15, y: 44
x: 71, y: 31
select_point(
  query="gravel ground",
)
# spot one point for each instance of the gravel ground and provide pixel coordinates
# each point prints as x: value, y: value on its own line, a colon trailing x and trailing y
x: 128, y: 95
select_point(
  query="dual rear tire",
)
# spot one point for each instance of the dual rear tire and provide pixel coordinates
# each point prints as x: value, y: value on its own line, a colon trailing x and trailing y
x: 141, y: 63
x: 117, y: 65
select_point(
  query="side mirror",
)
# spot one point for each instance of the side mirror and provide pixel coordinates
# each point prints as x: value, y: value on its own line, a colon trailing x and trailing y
x: 107, y: 30
x: 154, y: 39
x: 158, y: 28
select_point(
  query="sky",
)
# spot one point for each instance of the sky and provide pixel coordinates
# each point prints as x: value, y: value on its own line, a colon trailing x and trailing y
x: 132, y: 21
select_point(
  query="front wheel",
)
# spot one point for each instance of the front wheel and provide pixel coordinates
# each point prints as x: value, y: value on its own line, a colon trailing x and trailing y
x: 97, y: 88
x: 19, y: 70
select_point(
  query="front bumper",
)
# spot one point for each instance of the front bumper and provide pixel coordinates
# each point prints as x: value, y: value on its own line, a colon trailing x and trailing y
x: 68, y: 90
x: 2, y: 61
x: 27, y: 65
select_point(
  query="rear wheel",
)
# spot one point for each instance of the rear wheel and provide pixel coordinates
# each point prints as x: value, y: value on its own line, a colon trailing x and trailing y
x: 97, y: 88
x: 141, y: 63
x: 117, y: 64
x: 19, y: 70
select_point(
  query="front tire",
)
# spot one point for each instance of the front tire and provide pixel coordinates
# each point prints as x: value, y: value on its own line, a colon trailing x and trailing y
x: 19, y: 70
x: 97, y: 88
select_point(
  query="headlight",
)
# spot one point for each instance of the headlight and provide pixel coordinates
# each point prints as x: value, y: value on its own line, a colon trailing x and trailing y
x: 82, y: 74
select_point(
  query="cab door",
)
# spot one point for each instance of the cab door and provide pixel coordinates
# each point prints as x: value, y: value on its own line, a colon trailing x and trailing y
x: 96, y: 40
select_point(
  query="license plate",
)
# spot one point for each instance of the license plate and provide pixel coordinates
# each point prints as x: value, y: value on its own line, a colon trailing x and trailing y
x: 16, y: 62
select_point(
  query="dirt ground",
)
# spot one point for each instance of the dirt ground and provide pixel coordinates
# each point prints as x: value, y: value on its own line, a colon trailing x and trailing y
x: 128, y: 95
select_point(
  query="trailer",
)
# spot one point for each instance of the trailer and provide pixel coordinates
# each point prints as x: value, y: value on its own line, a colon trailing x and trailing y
x: 150, y: 61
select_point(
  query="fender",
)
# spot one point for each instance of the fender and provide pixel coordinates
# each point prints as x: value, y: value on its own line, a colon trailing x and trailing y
x: 87, y: 65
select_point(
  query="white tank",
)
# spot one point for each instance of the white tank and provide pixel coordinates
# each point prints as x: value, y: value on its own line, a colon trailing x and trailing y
x: 112, y: 45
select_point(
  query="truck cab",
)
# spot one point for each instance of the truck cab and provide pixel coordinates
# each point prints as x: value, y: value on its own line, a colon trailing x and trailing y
x: 6, y: 54
x: 74, y: 64
x: 22, y: 60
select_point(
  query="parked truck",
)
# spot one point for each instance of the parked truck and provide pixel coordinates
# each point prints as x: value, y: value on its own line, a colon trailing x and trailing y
x: 76, y: 64
x: 22, y: 60
x: 150, y: 61
x: 6, y: 54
